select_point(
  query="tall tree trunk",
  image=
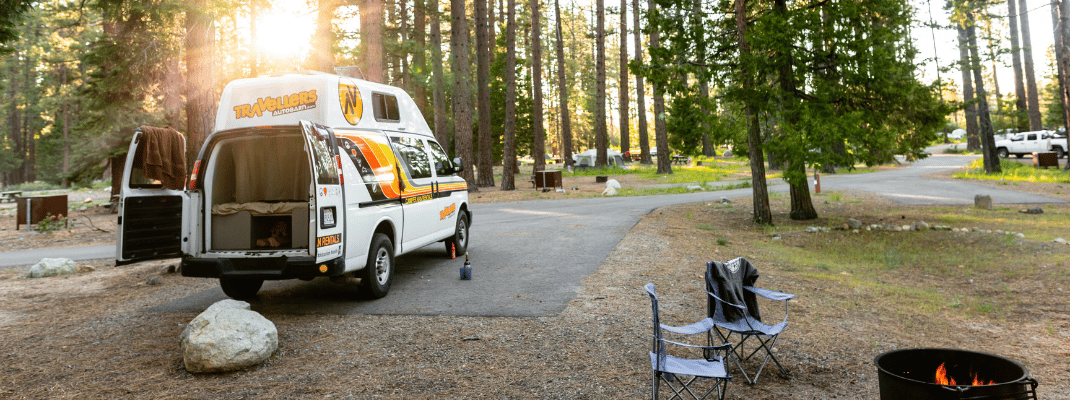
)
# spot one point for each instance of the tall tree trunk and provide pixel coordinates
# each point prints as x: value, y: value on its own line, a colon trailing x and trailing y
x: 1032, y: 99
x: 509, y: 158
x: 562, y: 92
x: 14, y: 122
x: 1063, y: 32
x: 1016, y: 62
x: 403, y: 55
x: 625, y: 130
x: 462, y: 94
x: 640, y: 89
x: 485, y: 178
x: 200, y: 87
x: 763, y: 215
x: 65, y: 118
x: 254, y: 49
x: 802, y: 208
x: 1060, y: 75
x: 538, y: 146
x: 172, y: 94
x: 993, y: 54
x: 600, y: 134
x: 660, y: 130
x: 973, y: 137
x: 371, y: 23
x: 322, y: 56
x: 419, y: 59
x: 439, y: 94
x: 988, y: 143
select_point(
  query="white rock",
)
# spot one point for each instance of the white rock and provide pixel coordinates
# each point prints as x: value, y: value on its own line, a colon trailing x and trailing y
x: 1059, y: 240
x: 695, y: 188
x: 87, y: 200
x: 228, y: 336
x: 610, y: 191
x: 854, y: 223
x: 52, y: 267
x: 1020, y: 235
x: 613, y: 183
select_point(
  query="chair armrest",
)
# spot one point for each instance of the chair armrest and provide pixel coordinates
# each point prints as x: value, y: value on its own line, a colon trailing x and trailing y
x: 741, y: 307
x: 701, y: 326
x: 769, y: 294
x: 723, y: 346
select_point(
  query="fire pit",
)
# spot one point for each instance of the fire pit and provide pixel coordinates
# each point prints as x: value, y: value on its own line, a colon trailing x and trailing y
x: 923, y: 374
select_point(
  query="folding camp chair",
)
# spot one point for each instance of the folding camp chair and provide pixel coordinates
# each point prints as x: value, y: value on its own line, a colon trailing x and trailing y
x: 733, y: 308
x: 668, y: 368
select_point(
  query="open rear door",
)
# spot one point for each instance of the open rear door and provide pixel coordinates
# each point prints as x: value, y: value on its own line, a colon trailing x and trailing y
x: 150, y: 213
x: 328, y: 203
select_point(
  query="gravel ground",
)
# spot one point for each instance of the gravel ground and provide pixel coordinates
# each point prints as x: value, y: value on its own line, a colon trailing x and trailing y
x: 87, y: 335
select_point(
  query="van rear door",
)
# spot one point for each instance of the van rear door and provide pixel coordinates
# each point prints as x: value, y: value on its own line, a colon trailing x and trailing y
x: 328, y: 202
x: 150, y: 224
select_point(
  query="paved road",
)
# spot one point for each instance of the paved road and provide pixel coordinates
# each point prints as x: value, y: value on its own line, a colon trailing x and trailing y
x: 529, y: 258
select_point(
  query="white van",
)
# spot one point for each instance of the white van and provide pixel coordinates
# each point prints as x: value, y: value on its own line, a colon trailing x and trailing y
x: 306, y: 175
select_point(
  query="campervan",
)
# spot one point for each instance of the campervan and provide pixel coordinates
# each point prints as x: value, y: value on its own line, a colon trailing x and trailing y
x: 306, y: 175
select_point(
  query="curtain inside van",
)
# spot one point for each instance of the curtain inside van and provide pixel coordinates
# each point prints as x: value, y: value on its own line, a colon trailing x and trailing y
x: 271, y: 169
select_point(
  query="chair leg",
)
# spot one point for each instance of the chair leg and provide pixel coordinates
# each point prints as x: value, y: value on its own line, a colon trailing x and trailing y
x: 655, y: 384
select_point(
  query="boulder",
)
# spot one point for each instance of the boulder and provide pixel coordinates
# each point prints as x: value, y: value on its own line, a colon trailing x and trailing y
x: 727, y: 153
x: 610, y: 191
x: 854, y: 223
x: 1032, y: 210
x: 613, y: 183
x: 228, y: 336
x: 921, y: 226
x: 52, y: 267
x: 982, y: 201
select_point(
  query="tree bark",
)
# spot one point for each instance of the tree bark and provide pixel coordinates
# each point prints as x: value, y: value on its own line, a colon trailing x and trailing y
x: 988, y: 143
x: 1064, y: 62
x: 485, y: 177
x: 200, y: 86
x: 65, y: 117
x: 371, y: 22
x: 462, y: 94
x: 562, y: 92
x: 660, y: 132
x: 640, y: 89
x: 439, y: 94
x: 763, y: 215
x: 509, y: 158
x: 419, y: 61
x: 254, y: 48
x: 600, y: 134
x: 1016, y: 63
x: 538, y: 147
x: 322, y: 56
x: 973, y: 138
x: 1032, y: 99
x: 1060, y: 54
x: 802, y: 208
x: 625, y: 130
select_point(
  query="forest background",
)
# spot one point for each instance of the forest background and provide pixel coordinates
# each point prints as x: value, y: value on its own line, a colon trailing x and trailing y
x: 793, y: 85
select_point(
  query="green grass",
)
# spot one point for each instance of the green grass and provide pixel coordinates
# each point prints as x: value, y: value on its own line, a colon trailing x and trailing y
x: 1014, y: 172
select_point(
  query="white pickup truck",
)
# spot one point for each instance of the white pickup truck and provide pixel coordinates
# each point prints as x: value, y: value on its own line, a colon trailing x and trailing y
x: 1031, y: 142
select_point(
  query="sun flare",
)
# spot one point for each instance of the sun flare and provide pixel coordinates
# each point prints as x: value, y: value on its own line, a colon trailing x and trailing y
x: 285, y: 33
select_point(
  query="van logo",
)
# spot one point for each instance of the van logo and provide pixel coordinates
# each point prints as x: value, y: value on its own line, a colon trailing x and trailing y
x: 448, y: 211
x: 279, y: 105
x: 350, y: 101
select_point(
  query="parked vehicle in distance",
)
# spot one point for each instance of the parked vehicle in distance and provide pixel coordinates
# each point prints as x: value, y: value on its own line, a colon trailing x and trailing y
x: 957, y: 134
x: 1031, y: 142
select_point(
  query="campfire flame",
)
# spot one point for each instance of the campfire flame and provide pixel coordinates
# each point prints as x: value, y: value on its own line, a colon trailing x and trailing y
x: 943, y: 379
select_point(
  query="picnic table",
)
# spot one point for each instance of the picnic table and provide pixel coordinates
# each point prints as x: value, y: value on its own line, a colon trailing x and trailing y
x: 10, y: 196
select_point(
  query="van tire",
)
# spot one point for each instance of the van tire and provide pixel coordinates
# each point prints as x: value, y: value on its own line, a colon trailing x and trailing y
x: 239, y: 289
x: 460, y: 235
x: 1003, y: 153
x: 1059, y: 153
x: 377, y: 274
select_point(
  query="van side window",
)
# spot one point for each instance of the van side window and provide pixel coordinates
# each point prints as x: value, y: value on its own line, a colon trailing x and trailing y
x: 385, y: 107
x: 412, y: 151
x: 443, y: 166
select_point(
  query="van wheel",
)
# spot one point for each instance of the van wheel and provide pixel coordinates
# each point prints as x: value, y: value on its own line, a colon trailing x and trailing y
x: 240, y: 288
x: 460, y: 235
x: 1003, y: 153
x: 1059, y: 153
x: 376, y: 276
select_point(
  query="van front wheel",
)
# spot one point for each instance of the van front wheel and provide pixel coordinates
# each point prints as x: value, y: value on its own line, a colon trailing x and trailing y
x: 460, y: 235
x: 377, y: 274
x: 240, y: 288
